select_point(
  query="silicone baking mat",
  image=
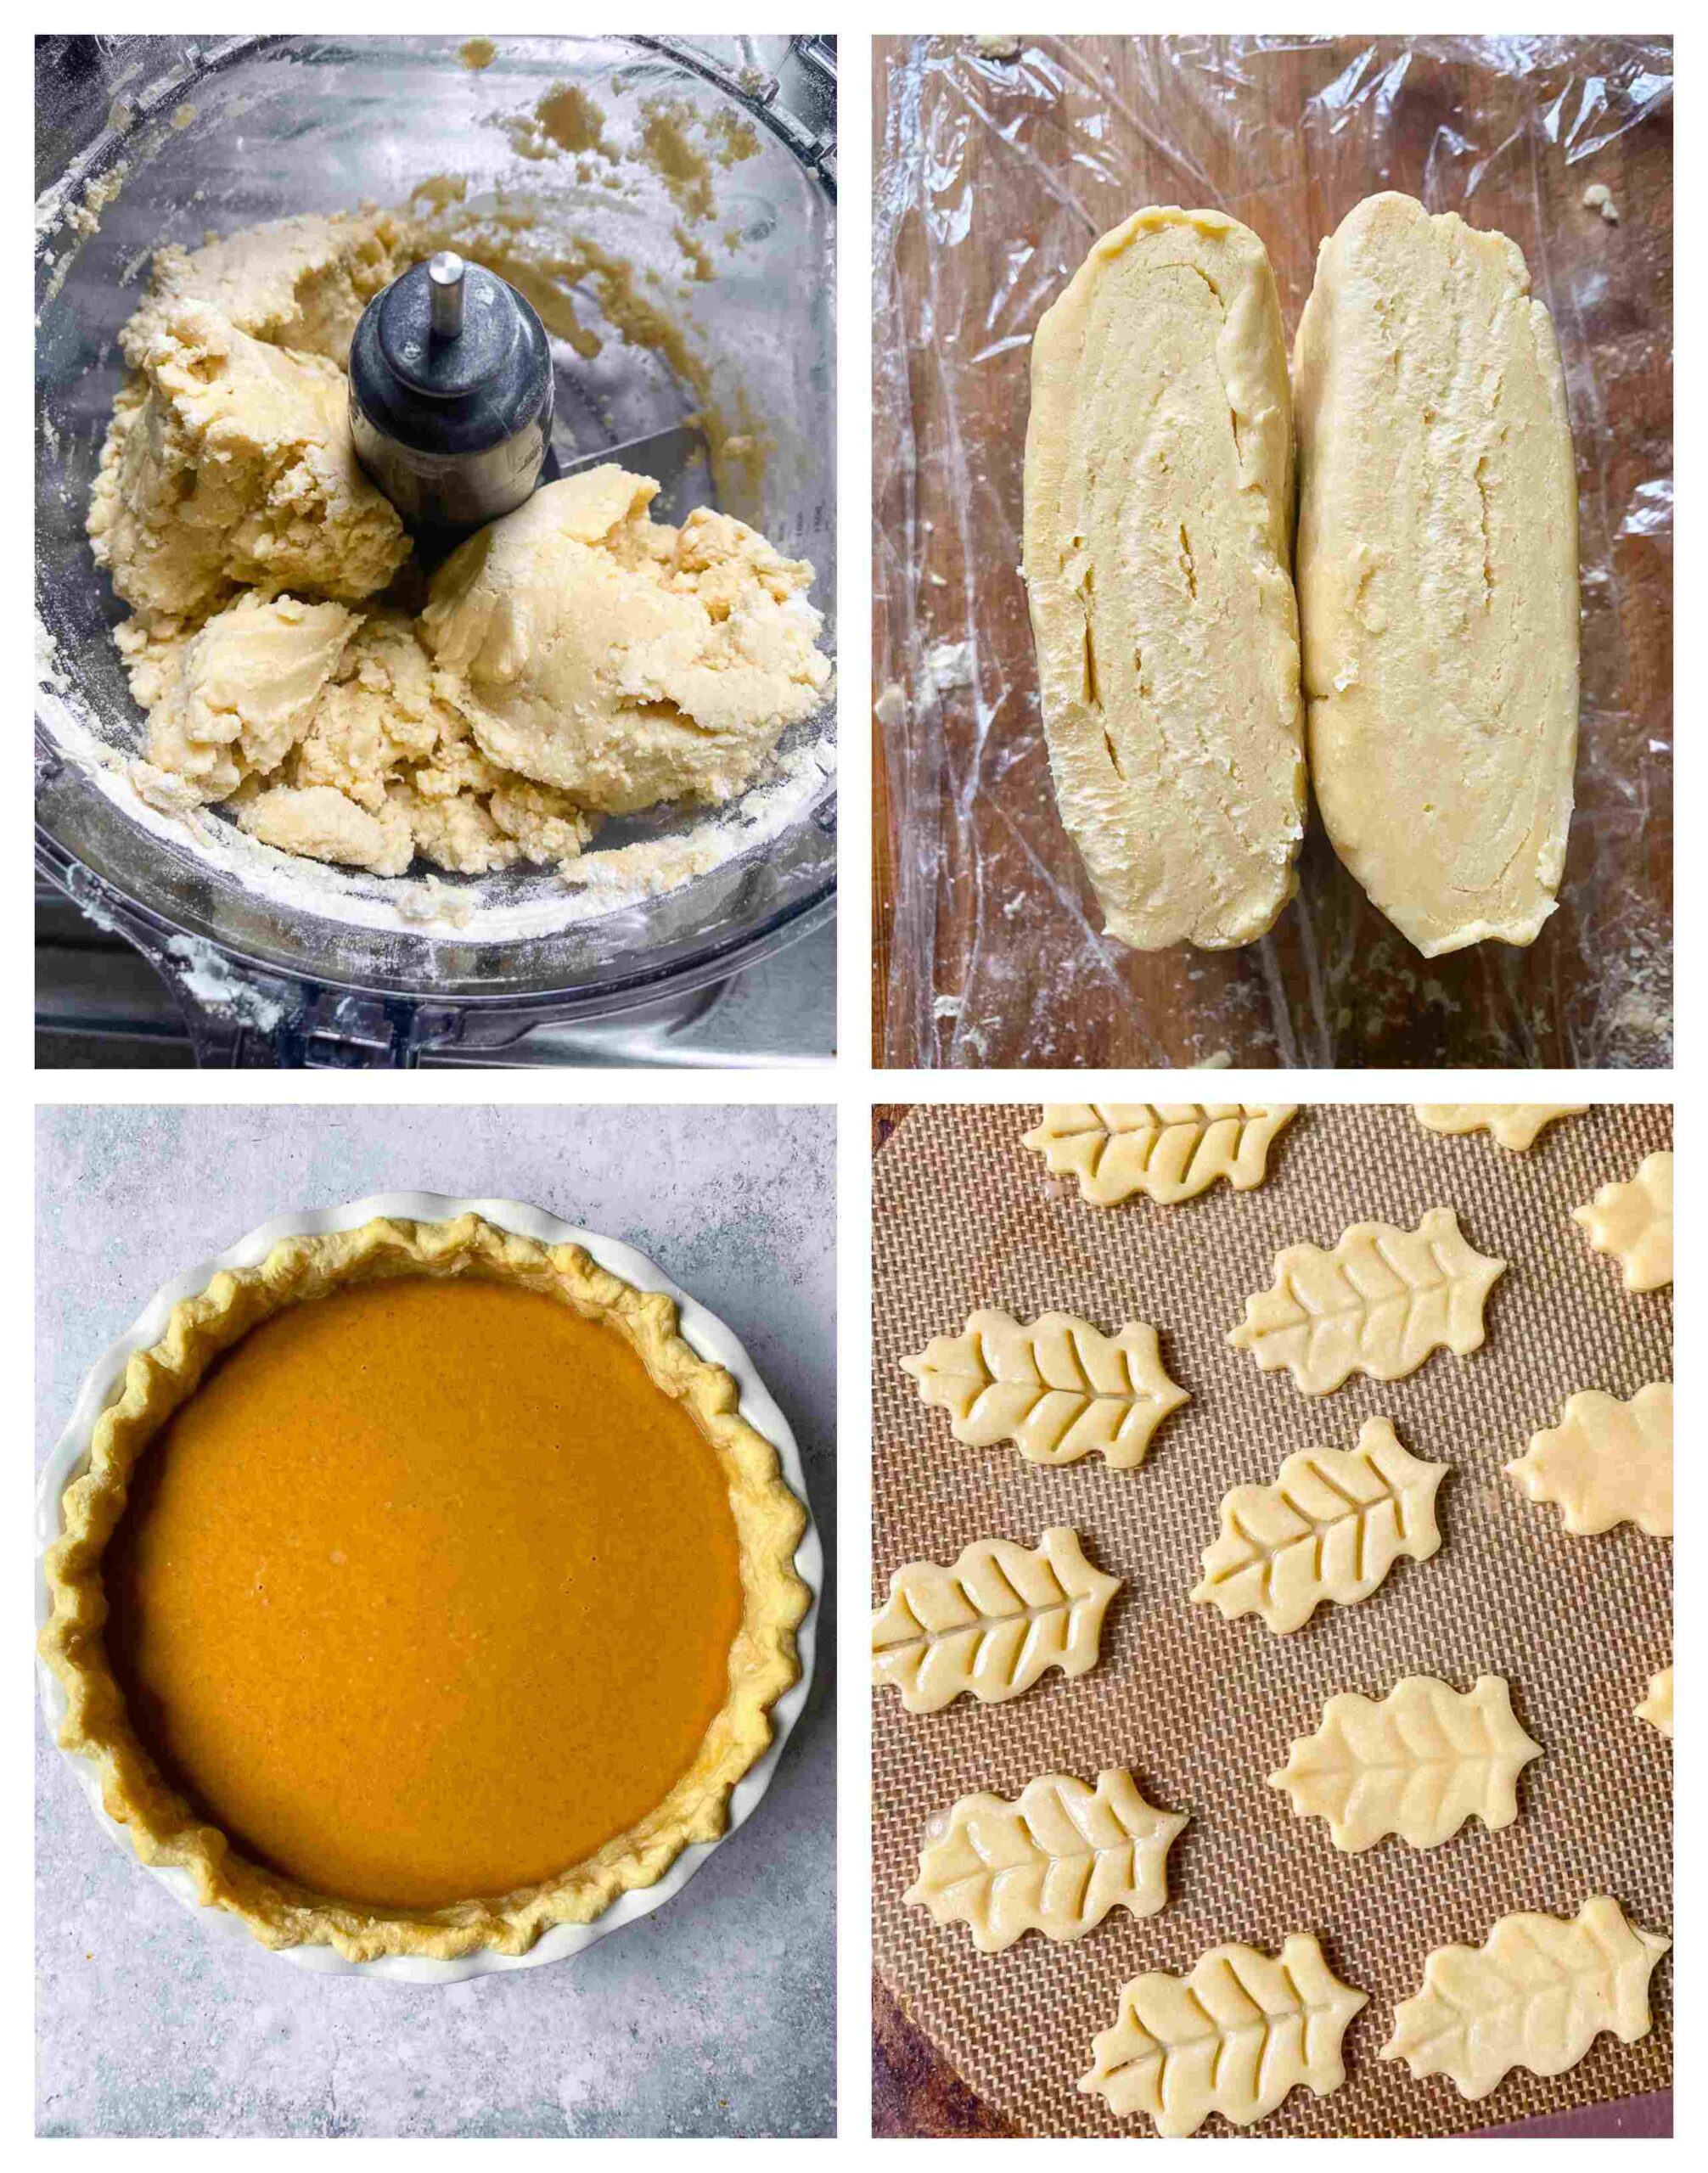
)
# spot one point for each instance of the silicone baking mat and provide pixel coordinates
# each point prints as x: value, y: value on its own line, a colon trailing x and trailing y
x: 1201, y: 1709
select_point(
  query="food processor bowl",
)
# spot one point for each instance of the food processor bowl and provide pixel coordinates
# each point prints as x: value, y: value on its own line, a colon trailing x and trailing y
x: 149, y: 140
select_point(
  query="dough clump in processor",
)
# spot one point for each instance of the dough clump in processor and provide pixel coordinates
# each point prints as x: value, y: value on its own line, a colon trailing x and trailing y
x: 572, y: 660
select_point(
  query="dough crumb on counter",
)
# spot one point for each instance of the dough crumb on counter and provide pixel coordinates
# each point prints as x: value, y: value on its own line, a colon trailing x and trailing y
x: 890, y: 708
x: 1598, y: 197
x: 947, y: 665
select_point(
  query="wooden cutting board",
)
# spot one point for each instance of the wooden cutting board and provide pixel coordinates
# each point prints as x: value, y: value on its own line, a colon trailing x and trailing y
x: 992, y: 179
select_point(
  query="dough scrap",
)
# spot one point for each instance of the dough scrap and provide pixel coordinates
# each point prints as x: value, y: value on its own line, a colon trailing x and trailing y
x: 991, y: 1623
x: 1056, y: 1860
x: 388, y: 735
x: 1606, y: 1462
x: 1326, y: 1532
x: 1634, y: 1222
x: 229, y: 464
x: 1437, y: 574
x: 301, y: 282
x: 1418, y: 1764
x: 1513, y: 1124
x: 620, y: 661
x: 1170, y: 1151
x: 1234, y: 2037
x: 320, y: 821
x: 330, y: 738
x: 1379, y: 1304
x: 1159, y: 495
x: 230, y: 701
x: 1657, y: 1707
x: 380, y: 713
x: 1054, y: 1387
x: 1535, y: 1994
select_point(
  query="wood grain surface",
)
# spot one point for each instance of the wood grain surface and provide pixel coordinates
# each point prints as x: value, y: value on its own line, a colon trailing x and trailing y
x: 991, y: 179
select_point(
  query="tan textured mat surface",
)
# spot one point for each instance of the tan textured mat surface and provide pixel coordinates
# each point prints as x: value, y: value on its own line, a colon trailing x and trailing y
x: 1202, y: 1708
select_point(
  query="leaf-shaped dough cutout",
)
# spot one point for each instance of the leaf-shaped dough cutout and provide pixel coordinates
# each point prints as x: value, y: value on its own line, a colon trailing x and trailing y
x: 1379, y: 1304
x: 1535, y: 1994
x: 1328, y: 1529
x: 1606, y: 1462
x: 1634, y: 1223
x: 1170, y: 1151
x: 1053, y: 1386
x: 991, y: 1623
x: 1233, y: 2038
x: 1419, y: 1764
x: 1056, y: 1860
x: 1657, y: 1707
x: 1513, y: 1124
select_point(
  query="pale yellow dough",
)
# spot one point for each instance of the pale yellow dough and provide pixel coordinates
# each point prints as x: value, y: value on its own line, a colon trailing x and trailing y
x: 1234, y: 2037
x: 1379, y: 1304
x: 991, y: 1623
x: 1634, y: 1222
x: 1159, y: 509
x: 229, y: 464
x: 1054, y: 1387
x: 574, y: 659
x: 1606, y: 1462
x: 1417, y: 1764
x: 1169, y: 1151
x: 1515, y: 1125
x: 620, y: 661
x: 1535, y: 1994
x: 1325, y: 1533
x: 301, y: 282
x: 234, y: 697
x: 317, y: 821
x: 1056, y: 1860
x: 1657, y: 1707
x: 1437, y: 574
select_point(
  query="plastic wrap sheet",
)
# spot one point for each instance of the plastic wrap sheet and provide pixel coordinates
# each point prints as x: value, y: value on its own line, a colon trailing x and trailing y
x: 992, y: 179
x: 1201, y: 1709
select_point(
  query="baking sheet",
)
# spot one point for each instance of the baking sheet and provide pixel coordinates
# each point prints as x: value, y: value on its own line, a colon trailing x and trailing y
x: 992, y: 179
x: 1201, y: 1709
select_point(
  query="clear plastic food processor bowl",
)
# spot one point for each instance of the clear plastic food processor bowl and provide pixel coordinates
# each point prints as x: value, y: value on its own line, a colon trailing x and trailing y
x: 150, y: 140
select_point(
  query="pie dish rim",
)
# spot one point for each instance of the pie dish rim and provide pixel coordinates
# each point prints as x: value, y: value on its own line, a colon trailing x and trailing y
x: 707, y: 1338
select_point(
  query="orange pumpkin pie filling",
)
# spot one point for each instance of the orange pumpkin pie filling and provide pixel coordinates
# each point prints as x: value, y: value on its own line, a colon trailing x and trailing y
x: 425, y: 1590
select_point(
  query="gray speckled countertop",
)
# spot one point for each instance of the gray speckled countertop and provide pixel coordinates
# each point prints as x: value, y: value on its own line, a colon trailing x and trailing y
x: 716, y: 2016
